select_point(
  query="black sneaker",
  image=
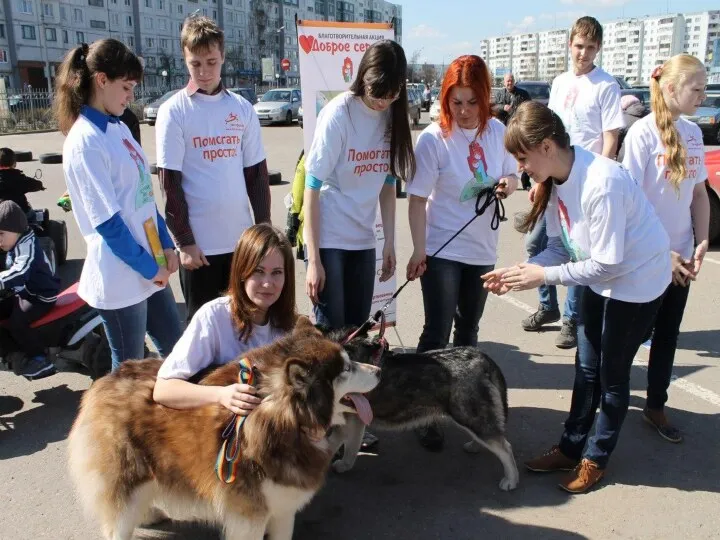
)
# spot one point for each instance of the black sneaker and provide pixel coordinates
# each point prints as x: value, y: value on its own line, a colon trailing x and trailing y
x: 541, y: 317
x: 567, y: 338
x: 431, y: 437
x: 38, y: 367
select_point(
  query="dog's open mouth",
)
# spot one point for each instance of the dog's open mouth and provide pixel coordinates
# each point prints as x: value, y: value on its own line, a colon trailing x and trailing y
x: 361, y: 406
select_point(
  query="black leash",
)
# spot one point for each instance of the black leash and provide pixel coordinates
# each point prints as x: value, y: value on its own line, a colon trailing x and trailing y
x: 486, y: 197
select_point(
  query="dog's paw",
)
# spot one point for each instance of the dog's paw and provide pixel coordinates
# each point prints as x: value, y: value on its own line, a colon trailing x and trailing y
x: 507, y: 484
x: 340, y: 466
x: 472, y: 447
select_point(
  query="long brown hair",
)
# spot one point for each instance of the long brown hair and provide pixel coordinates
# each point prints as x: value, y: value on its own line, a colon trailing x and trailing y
x: 382, y: 72
x: 674, y: 71
x: 73, y: 84
x: 469, y: 71
x: 531, y: 124
x: 254, y: 245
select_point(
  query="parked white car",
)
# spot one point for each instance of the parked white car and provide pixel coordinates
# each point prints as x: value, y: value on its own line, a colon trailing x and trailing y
x: 278, y: 105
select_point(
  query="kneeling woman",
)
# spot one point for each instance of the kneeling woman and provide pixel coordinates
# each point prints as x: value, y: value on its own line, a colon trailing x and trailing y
x: 603, y: 233
x: 258, y: 309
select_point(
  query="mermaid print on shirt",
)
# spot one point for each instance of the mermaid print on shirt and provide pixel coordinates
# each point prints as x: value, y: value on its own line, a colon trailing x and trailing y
x: 144, y: 193
x: 478, y: 167
x: 576, y: 253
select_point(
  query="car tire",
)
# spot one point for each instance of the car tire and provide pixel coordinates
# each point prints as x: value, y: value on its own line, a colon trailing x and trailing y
x: 52, y: 158
x: 23, y: 155
x: 57, y: 230
x: 275, y: 177
x: 288, y: 118
x: 714, y: 232
x: 151, y: 123
x: 153, y: 168
x: 48, y: 247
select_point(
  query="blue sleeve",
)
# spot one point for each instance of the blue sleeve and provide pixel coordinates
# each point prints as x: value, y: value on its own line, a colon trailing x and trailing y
x: 124, y: 246
x: 165, y: 241
x: 390, y: 180
x: 312, y: 183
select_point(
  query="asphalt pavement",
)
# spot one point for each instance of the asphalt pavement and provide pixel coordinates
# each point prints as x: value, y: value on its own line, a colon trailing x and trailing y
x: 653, y: 489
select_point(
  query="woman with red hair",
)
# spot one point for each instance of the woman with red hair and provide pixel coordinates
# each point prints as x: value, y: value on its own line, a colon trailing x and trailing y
x: 456, y: 159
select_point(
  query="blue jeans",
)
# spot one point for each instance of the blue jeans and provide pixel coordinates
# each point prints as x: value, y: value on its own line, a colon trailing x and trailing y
x: 452, y: 292
x: 536, y: 241
x: 126, y: 327
x: 664, y: 344
x: 609, y: 335
x: 346, y: 299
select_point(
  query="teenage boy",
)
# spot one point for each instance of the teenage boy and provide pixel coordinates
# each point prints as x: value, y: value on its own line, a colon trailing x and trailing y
x: 587, y: 99
x: 211, y: 165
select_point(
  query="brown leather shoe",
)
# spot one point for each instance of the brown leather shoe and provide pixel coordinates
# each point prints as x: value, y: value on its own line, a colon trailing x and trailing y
x: 551, y: 461
x: 583, y: 477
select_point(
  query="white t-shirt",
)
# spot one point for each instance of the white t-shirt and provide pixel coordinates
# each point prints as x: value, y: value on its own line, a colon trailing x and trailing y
x: 350, y: 153
x: 588, y: 105
x: 450, y: 172
x: 210, y: 139
x: 106, y: 173
x: 212, y: 339
x: 602, y: 214
x: 645, y: 159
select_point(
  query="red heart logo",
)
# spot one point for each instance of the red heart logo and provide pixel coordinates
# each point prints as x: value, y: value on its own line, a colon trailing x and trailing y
x: 306, y: 42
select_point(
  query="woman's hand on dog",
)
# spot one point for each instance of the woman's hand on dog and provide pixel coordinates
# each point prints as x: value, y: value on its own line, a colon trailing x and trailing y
x: 238, y: 398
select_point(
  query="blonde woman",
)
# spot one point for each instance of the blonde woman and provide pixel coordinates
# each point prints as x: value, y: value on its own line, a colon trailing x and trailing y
x: 665, y: 154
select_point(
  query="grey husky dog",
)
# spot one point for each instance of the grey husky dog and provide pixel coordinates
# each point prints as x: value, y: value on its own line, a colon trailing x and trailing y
x: 462, y: 384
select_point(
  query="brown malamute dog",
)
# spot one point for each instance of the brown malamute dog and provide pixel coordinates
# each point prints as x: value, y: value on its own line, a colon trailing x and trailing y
x: 129, y: 454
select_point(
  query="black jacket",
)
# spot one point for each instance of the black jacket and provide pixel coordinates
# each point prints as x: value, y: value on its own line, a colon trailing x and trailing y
x: 14, y: 185
x: 514, y: 99
x: 28, y: 273
x: 131, y: 121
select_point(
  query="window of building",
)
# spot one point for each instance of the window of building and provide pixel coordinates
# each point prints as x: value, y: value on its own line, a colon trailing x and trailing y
x: 148, y: 3
x: 115, y: 19
x: 131, y: 41
x: 80, y: 37
x: 50, y: 34
x: 162, y: 24
x: 78, y: 15
x: 25, y: 6
x: 148, y: 23
x: 150, y: 60
x: 180, y: 9
x: 150, y: 42
x: 228, y: 2
x: 127, y: 3
x: 28, y: 32
x: 63, y: 13
x: 2, y: 31
x: 65, y: 36
x: 97, y: 24
x: 96, y: 3
x: 48, y: 10
x: 128, y: 21
x: 214, y: 13
x: 3, y: 56
x: 164, y: 44
x: 161, y: 5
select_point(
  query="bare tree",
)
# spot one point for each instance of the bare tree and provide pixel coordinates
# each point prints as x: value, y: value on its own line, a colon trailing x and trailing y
x: 429, y: 73
x: 412, y: 71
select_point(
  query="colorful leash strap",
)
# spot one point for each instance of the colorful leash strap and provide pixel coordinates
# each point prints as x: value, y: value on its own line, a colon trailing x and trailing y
x: 229, y: 455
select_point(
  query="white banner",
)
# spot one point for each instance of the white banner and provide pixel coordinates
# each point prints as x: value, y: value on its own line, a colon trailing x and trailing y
x: 329, y: 55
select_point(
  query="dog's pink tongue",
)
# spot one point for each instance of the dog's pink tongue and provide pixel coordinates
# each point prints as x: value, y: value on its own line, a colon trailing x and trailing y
x: 362, y: 406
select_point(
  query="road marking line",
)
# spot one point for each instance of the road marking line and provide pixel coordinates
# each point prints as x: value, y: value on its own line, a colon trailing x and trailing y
x: 710, y: 259
x: 696, y: 390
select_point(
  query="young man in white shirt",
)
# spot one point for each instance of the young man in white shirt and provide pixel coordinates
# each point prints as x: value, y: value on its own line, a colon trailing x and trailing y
x: 211, y: 165
x: 587, y: 99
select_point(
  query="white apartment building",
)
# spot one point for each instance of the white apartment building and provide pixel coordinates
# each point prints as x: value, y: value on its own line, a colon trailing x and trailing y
x: 36, y: 34
x: 500, y: 55
x: 484, y: 51
x: 525, y: 56
x: 552, y: 53
x: 622, y: 48
x: 663, y: 37
x: 701, y: 32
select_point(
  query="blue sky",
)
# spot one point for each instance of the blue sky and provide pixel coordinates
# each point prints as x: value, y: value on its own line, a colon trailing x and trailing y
x: 445, y: 29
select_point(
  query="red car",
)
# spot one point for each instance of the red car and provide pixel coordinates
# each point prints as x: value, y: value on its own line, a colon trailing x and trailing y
x: 712, y: 163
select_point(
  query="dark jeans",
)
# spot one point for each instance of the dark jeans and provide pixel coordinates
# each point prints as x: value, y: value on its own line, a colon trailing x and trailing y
x: 346, y: 299
x: 452, y: 292
x: 609, y: 335
x: 126, y: 327
x: 535, y: 242
x: 16, y: 334
x: 664, y: 344
x: 205, y: 283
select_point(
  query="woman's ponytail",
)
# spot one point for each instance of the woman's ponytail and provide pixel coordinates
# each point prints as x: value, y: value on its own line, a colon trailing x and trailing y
x: 72, y: 87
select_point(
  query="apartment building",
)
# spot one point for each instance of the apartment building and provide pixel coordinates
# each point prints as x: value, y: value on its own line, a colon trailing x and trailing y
x: 36, y: 34
x: 500, y: 55
x: 552, y: 53
x: 622, y: 49
x: 525, y: 56
x: 663, y: 37
x: 702, y: 31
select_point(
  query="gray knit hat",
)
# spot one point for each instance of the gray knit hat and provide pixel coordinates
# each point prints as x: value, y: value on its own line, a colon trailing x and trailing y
x: 12, y: 218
